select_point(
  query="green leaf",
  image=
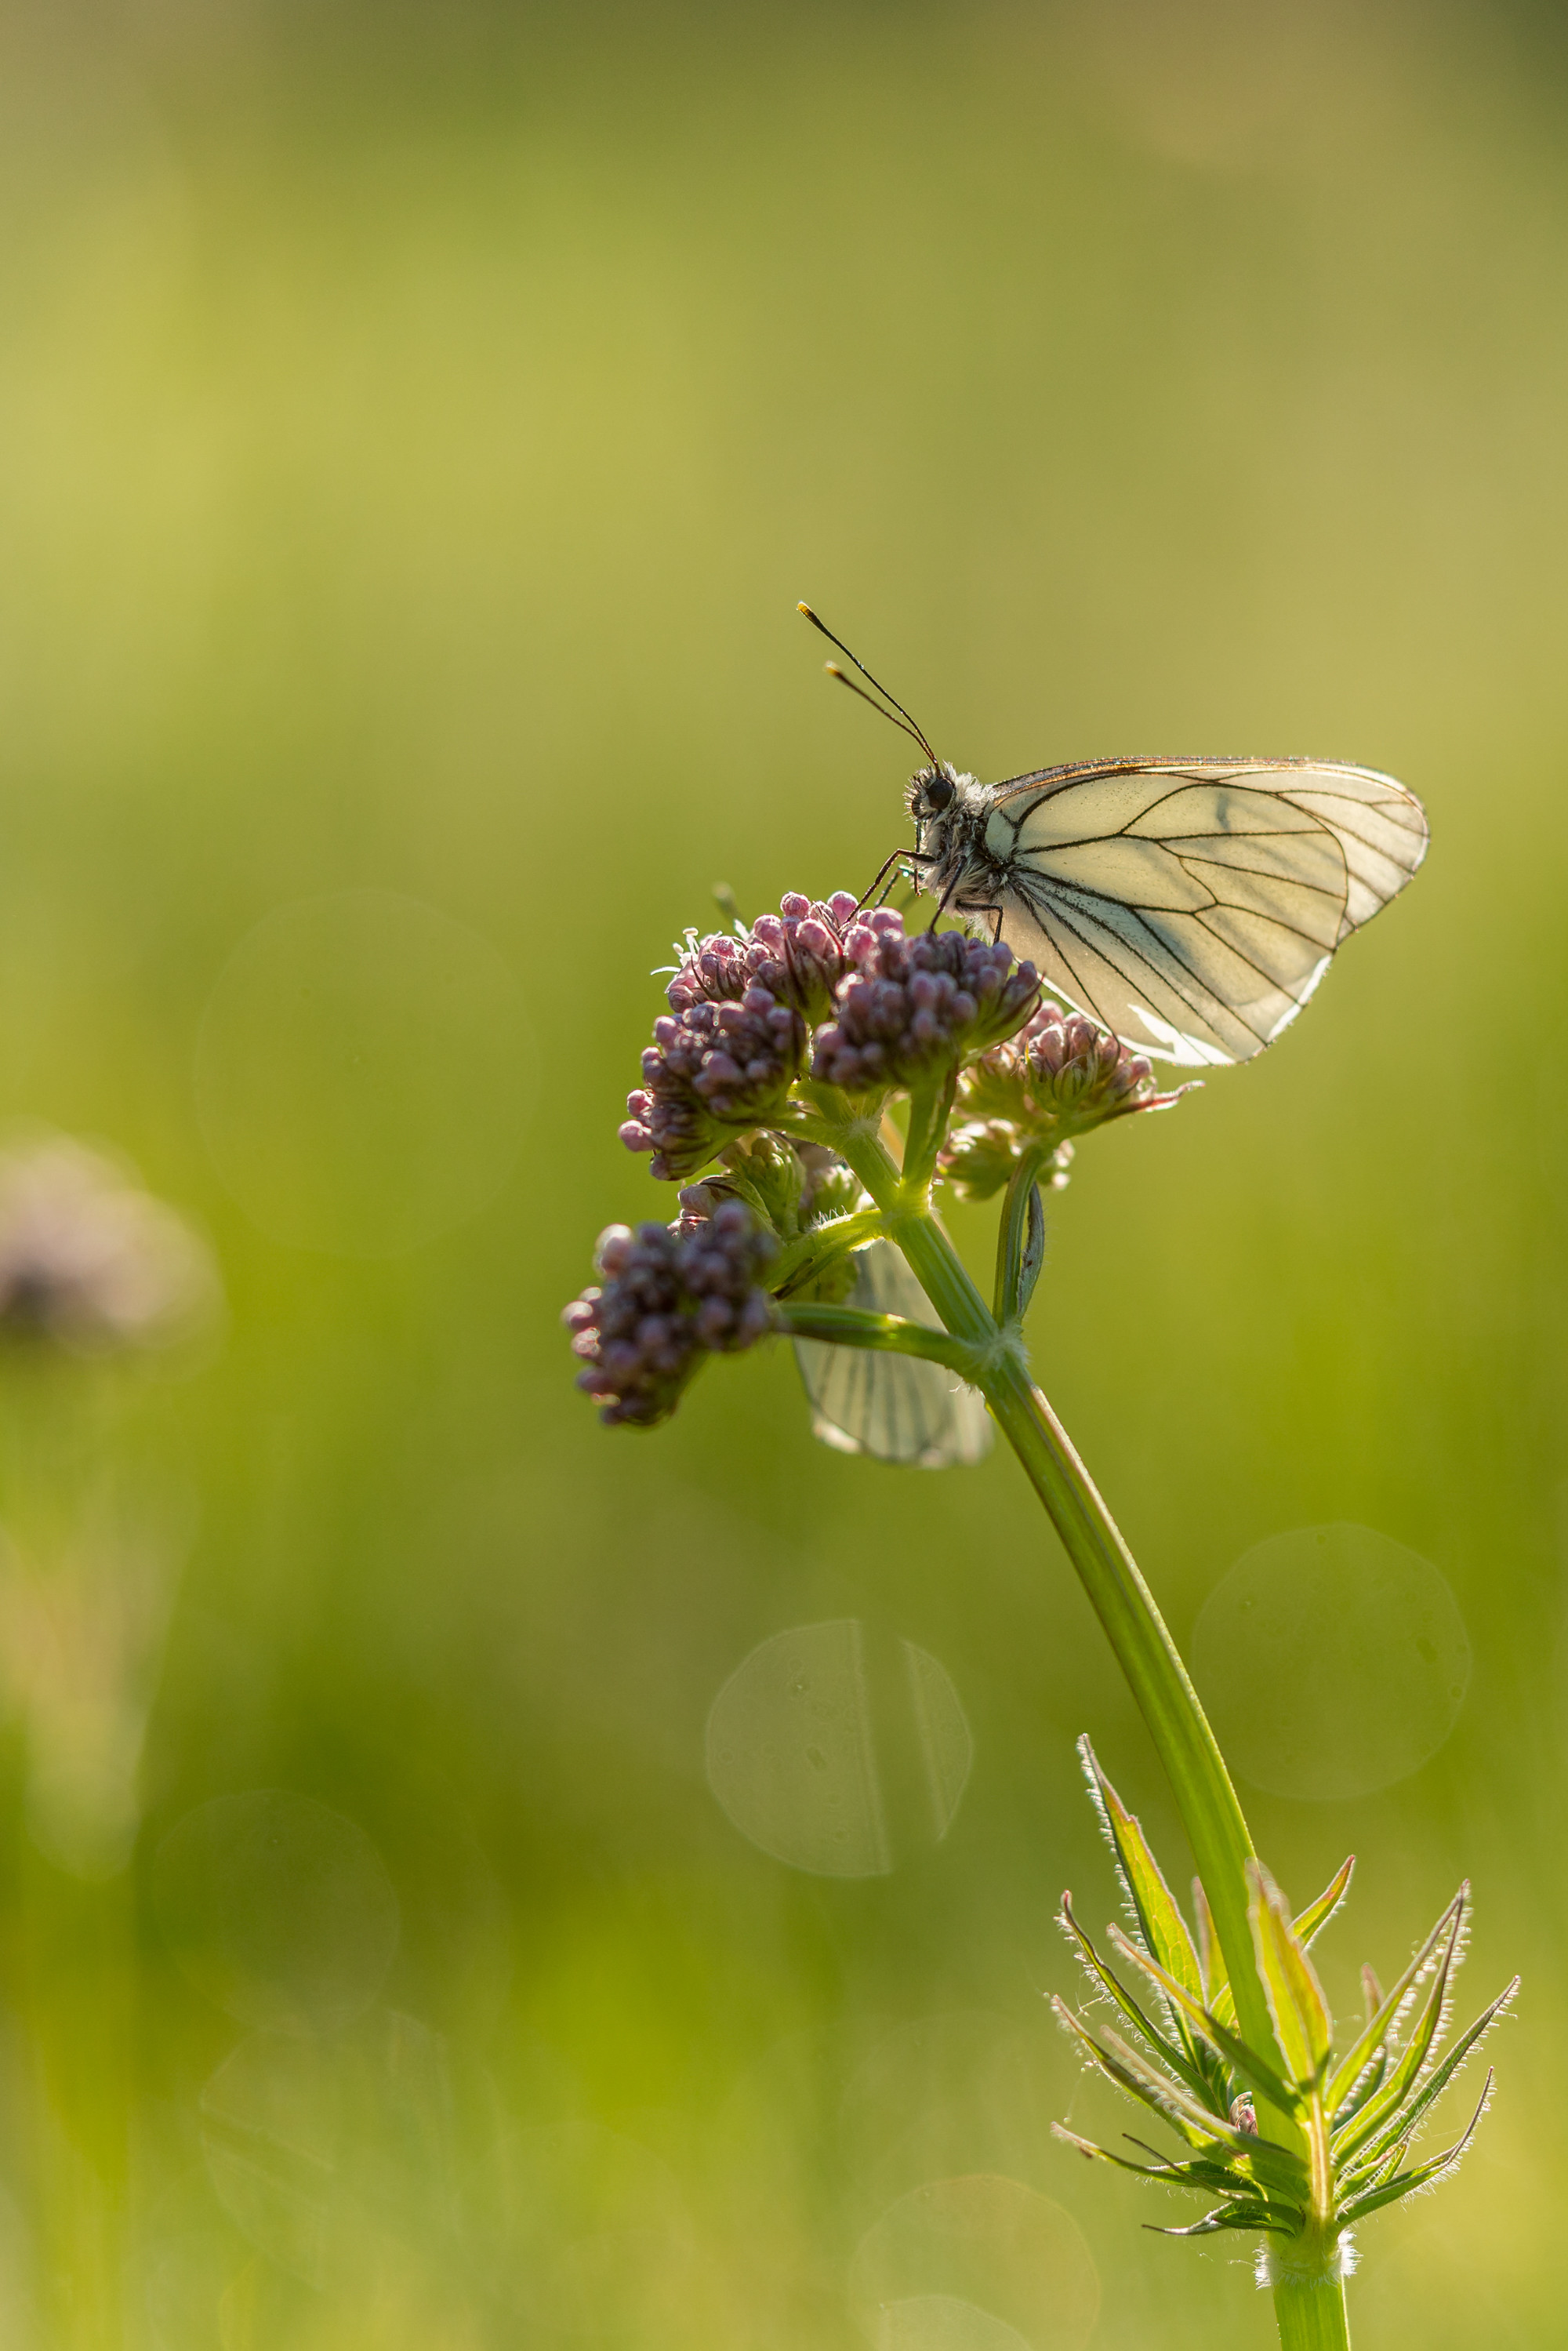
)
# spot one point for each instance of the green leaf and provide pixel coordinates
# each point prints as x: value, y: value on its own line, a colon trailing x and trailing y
x: 1296, y: 2000
x: 1254, y: 2070
x: 1231, y: 2216
x: 1208, y: 1941
x: 1308, y: 1925
x: 1368, y: 2085
x: 1200, y: 2179
x: 1176, y: 2105
x: 1407, y: 2182
x: 1310, y: 1922
x: 1403, y: 2124
x: 1174, y: 2056
x: 1372, y: 2116
x: 1164, y: 1929
x: 1204, y: 2168
x: 1381, y: 2023
x: 1370, y: 2170
x: 1139, y: 2082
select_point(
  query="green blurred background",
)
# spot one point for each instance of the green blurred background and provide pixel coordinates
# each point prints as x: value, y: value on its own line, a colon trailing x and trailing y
x: 416, y: 425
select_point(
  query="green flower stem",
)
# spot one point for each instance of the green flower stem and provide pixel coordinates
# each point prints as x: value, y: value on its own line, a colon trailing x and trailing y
x: 1211, y: 1814
x: 1308, y: 2306
x: 929, y: 1107
x: 851, y: 1326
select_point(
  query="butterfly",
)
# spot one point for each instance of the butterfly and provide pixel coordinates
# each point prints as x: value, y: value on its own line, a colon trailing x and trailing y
x: 897, y: 1408
x: 1189, y: 905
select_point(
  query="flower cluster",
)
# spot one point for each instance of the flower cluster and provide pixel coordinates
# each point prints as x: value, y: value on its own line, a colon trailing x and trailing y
x: 909, y: 1005
x: 672, y: 1295
x: 769, y: 1028
x: 1058, y: 1077
x: 713, y: 1067
x: 797, y: 954
x: 737, y: 1035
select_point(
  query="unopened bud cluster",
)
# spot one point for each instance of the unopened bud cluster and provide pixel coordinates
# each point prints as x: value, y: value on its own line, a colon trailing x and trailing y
x: 797, y: 954
x: 712, y: 1068
x: 738, y: 1033
x: 1059, y: 1075
x: 909, y: 1005
x: 670, y: 1297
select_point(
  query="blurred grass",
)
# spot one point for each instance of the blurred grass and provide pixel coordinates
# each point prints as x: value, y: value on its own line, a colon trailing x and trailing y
x: 415, y: 427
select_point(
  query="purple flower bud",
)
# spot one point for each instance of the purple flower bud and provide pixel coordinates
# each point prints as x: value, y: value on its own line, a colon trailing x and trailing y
x: 909, y: 1006
x: 716, y: 1067
x: 797, y: 955
x: 1058, y: 1077
x: 735, y: 1036
x: 616, y: 1243
x: 673, y: 1295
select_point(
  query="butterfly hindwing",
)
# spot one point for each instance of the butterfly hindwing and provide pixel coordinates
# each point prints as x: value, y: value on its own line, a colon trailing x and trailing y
x: 897, y: 1408
x: 1192, y: 906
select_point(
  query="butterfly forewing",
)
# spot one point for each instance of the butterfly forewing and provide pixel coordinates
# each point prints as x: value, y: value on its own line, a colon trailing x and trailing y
x: 1192, y: 906
x: 1381, y: 827
x: 895, y: 1407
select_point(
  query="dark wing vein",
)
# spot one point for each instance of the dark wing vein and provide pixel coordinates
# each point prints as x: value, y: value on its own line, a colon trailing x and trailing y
x: 1213, y: 965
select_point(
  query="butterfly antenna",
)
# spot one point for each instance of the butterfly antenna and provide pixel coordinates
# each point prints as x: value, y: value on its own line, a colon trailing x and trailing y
x: 909, y: 724
x: 834, y: 670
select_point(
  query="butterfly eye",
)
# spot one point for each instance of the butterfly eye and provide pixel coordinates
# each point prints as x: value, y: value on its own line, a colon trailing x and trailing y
x: 938, y: 795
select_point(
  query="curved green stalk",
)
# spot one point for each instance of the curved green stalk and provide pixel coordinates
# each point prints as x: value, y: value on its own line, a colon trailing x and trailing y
x: 1211, y: 1811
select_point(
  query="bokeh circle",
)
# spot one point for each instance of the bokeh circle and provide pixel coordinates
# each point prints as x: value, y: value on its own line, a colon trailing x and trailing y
x: 1332, y: 1661
x: 805, y: 1741
x: 278, y: 1909
x: 980, y: 2263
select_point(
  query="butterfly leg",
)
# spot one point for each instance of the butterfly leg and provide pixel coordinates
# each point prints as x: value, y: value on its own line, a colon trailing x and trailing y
x: 885, y: 892
x: 888, y: 872
x: 946, y: 900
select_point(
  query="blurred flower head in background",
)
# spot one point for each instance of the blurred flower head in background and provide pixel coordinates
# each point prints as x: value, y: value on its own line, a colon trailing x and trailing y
x: 92, y: 1269
x: 91, y: 1262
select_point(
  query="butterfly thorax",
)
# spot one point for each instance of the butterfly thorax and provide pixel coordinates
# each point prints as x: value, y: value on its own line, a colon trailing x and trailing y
x: 951, y: 812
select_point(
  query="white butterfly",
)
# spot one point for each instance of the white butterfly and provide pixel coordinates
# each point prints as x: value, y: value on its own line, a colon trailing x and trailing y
x: 895, y: 1407
x: 1190, y: 906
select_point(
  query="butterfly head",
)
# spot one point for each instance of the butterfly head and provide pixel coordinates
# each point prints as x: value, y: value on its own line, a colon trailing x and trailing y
x: 935, y: 791
x: 945, y: 805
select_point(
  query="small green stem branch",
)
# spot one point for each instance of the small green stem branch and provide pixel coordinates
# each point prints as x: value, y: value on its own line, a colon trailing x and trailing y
x: 851, y: 1326
x: 929, y: 1108
x: 1211, y: 1814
